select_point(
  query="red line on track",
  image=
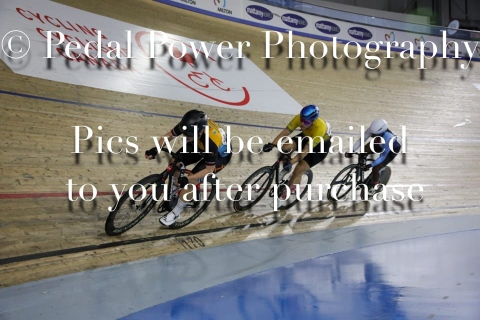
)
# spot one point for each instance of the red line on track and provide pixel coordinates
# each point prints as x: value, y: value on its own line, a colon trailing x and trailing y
x: 60, y: 194
x: 48, y: 195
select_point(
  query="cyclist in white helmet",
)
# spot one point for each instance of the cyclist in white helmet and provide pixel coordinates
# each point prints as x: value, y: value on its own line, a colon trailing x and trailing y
x: 379, y: 128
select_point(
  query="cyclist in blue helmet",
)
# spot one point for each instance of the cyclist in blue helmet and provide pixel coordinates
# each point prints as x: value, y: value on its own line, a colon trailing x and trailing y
x: 310, y: 112
x: 312, y: 144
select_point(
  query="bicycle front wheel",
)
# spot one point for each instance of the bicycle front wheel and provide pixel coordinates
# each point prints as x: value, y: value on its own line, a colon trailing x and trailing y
x: 253, y: 189
x: 341, y: 185
x: 134, y: 205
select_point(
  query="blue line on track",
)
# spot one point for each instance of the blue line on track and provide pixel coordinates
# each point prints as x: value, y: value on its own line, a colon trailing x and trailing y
x: 96, y: 106
x: 157, y: 114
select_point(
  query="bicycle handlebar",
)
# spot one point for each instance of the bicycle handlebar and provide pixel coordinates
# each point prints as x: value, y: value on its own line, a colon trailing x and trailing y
x: 360, y: 155
x: 357, y: 153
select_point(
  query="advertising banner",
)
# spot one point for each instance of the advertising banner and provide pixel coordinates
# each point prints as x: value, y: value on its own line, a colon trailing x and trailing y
x: 324, y: 28
x: 48, y: 40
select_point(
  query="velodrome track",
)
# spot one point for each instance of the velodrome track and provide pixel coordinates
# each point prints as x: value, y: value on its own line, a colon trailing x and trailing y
x: 43, y: 234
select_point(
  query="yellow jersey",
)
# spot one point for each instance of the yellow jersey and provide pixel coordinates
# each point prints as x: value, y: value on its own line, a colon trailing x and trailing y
x: 215, y: 144
x: 317, y: 131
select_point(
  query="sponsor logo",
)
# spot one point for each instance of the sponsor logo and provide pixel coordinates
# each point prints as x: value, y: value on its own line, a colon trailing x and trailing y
x: 390, y: 37
x: 420, y: 40
x: 259, y: 13
x: 222, y: 6
x: 294, y: 21
x: 360, y: 33
x: 192, y: 2
x: 192, y: 78
x: 451, y: 49
x: 327, y: 27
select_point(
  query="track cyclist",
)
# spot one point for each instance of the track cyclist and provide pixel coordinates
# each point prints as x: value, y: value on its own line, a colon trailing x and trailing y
x: 314, y: 140
x: 385, y: 143
x: 212, y: 161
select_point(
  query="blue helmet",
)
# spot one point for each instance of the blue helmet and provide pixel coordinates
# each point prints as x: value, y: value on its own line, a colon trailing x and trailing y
x: 310, y: 112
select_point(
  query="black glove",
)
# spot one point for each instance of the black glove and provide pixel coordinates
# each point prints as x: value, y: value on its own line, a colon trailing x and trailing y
x: 348, y: 155
x: 152, y: 152
x: 268, y: 147
x: 182, y: 181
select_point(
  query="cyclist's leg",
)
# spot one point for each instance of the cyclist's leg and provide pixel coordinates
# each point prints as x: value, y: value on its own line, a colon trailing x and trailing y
x: 376, y: 170
x: 288, y: 147
x: 299, y: 143
x: 188, y: 157
x: 300, y: 169
x: 220, y: 164
x: 378, y: 149
x: 309, y: 161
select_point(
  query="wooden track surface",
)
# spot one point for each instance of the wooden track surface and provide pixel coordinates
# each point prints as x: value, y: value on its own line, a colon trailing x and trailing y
x: 43, y: 234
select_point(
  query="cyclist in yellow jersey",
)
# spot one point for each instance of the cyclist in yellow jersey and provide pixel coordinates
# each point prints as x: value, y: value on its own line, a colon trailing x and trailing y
x: 212, y: 161
x: 314, y: 140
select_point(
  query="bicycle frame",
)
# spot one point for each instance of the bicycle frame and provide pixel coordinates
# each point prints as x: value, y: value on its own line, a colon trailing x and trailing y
x: 362, y: 161
x: 170, y: 201
x: 276, y: 167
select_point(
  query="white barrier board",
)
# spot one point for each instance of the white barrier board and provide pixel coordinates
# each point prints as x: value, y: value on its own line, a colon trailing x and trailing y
x: 56, y: 42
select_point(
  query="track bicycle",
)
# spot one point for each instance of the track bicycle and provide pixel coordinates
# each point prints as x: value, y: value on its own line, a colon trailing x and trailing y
x: 260, y: 182
x: 141, y: 197
x: 343, y: 182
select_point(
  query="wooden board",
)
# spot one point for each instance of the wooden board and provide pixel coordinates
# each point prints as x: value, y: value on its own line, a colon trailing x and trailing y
x: 43, y: 234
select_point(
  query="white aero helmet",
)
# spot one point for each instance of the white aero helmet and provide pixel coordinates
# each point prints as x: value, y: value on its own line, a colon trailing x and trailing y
x: 378, y: 126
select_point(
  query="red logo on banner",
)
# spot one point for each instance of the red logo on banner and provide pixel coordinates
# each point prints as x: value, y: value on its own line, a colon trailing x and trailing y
x: 197, y: 81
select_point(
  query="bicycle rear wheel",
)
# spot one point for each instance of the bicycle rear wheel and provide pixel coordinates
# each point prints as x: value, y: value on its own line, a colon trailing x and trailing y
x: 203, y: 196
x: 341, y: 185
x: 134, y: 205
x: 253, y: 189
x: 305, y: 181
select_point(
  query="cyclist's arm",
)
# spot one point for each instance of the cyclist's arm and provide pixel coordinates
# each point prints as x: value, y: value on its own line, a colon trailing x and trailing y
x: 299, y: 156
x: 285, y: 132
x: 210, y: 159
x: 357, y: 144
x: 385, y: 151
x: 168, y: 136
x: 319, y: 134
x: 161, y: 143
x: 291, y: 126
